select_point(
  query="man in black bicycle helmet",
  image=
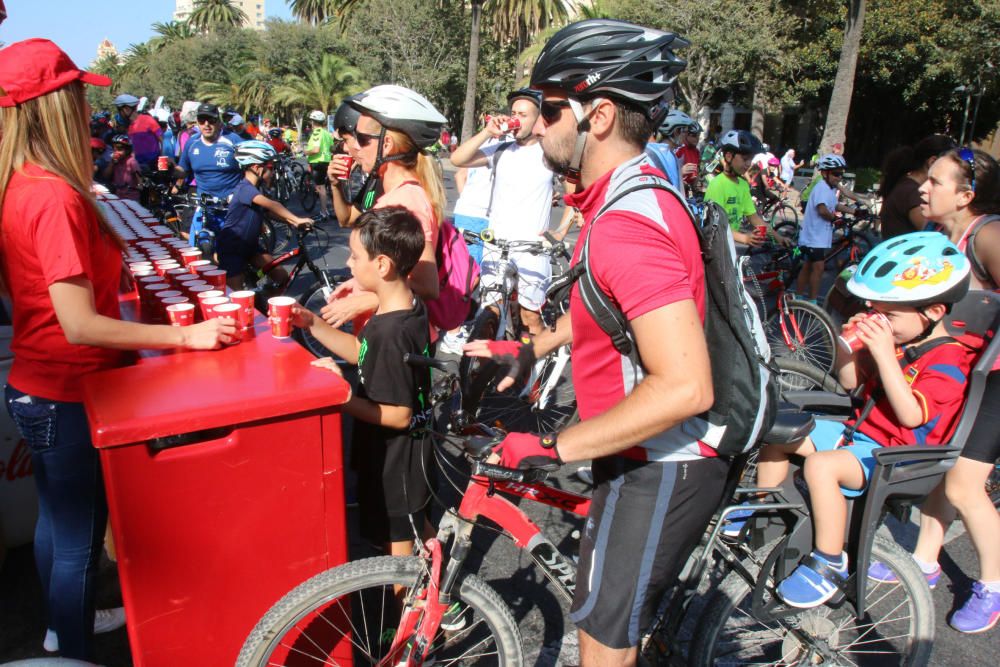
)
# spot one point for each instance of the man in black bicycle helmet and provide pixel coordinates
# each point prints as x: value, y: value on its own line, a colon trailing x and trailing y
x: 605, y: 88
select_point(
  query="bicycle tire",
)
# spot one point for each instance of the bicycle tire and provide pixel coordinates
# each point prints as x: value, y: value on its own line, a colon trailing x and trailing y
x: 370, y: 582
x: 784, y: 215
x: 307, y: 192
x: 313, y: 299
x: 728, y: 621
x: 267, y: 236
x: 818, y: 338
x: 798, y: 375
x: 787, y: 230
x: 297, y: 171
x: 476, y: 373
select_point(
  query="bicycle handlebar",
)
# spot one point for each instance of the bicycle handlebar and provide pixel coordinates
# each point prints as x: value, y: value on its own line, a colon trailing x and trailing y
x: 501, y: 474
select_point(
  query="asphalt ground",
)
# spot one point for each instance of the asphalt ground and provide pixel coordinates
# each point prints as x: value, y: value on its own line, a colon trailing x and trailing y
x: 548, y: 636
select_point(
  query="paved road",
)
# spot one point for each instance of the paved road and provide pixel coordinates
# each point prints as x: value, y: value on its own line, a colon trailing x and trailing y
x: 548, y: 635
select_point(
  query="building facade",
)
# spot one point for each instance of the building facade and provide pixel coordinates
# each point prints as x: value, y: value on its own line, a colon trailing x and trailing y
x: 254, y: 9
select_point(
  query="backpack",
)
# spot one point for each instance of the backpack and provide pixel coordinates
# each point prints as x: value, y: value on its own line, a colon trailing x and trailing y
x: 457, y: 274
x: 746, y: 392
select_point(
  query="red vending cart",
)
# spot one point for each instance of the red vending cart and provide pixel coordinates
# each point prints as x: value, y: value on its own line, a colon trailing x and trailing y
x: 224, y: 477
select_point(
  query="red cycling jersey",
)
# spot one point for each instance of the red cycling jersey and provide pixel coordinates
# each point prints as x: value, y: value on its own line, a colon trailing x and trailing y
x: 645, y: 255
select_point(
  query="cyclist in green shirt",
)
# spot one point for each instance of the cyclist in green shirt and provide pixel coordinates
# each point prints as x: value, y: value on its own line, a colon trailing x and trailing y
x: 319, y: 150
x: 731, y: 191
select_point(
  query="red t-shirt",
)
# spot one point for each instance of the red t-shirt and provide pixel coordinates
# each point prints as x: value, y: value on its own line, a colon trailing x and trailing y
x: 49, y: 233
x: 938, y: 380
x: 645, y: 254
x: 278, y: 144
x: 688, y: 155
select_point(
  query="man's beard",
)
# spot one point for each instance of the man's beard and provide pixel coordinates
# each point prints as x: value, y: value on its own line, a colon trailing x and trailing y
x: 555, y: 163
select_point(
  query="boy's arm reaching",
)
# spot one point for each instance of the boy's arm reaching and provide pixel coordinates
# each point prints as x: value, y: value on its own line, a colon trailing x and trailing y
x: 278, y: 210
x: 341, y: 343
x: 390, y: 416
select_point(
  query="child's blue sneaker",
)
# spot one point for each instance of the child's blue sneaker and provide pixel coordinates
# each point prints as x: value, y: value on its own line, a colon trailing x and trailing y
x: 878, y: 571
x: 735, y: 521
x: 813, y: 582
x: 979, y: 613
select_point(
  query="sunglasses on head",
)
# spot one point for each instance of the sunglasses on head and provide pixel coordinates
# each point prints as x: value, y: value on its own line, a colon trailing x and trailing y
x: 550, y: 110
x: 363, y: 138
x: 969, y: 158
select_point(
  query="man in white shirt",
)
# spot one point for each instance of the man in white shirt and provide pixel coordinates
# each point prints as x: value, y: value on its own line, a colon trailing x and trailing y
x: 520, y: 201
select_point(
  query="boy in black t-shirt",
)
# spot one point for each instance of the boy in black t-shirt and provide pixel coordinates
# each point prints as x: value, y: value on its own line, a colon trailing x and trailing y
x: 391, y: 459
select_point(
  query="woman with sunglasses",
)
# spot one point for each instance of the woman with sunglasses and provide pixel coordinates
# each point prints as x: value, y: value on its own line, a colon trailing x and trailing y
x: 61, y: 263
x: 962, y: 194
x: 396, y: 125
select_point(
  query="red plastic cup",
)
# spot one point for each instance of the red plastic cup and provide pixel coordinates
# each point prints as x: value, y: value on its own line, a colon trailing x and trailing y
x: 180, y: 314
x: 848, y: 338
x: 202, y: 269
x: 231, y: 310
x: 177, y: 273
x: 193, y: 265
x: 761, y: 231
x: 279, y: 314
x: 162, y: 163
x: 143, y: 273
x: 512, y: 125
x: 207, y: 304
x: 184, y: 278
x: 245, y: 299
x: 189, y: 255
x: 216, y: 277
x: 162, y: 267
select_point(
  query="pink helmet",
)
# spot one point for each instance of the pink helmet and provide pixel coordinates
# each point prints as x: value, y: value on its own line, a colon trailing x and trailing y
x: 773, y: 162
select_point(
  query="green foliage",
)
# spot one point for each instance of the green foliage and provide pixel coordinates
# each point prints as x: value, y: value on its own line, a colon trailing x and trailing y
x: 322, y: 86
x: 313, y: 12
x: 213, y: 15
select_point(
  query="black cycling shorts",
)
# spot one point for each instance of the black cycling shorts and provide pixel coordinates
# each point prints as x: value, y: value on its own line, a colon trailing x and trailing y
x: 983, y: 443
x: 645, y: 519
x: 319, y: 172
x: 813, y: 254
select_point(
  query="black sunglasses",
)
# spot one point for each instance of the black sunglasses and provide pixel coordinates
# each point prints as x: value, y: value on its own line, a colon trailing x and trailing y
x: 551, y: 110
x: 363, y: 138
x: 208, y: 119
x: 969, y: 158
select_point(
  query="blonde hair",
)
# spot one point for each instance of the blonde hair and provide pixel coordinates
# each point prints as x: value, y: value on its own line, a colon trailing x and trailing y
x: 51, y: 132
x: 426, y: 172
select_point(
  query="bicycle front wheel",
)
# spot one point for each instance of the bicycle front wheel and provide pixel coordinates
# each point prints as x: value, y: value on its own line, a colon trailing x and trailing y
x: 307, y: 192
x: 803, y: 331
x: 897, y: 628
x: 313, y: 300
x: 350, y: 614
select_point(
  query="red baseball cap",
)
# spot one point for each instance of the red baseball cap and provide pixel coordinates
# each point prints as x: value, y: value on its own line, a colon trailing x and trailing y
x: 36, y: 67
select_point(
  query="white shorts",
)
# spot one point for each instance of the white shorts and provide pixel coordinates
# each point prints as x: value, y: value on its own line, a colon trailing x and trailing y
x: 534, y: 272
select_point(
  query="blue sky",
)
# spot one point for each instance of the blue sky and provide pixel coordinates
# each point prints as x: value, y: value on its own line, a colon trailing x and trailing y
x: 78, y: 26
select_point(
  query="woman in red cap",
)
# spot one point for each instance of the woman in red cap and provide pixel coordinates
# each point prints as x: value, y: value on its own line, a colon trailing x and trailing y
x: 60, y: 263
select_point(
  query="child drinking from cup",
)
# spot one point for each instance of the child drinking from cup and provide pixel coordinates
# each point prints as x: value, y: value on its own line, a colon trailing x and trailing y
x: 913, y: 376
x: 391, y: 458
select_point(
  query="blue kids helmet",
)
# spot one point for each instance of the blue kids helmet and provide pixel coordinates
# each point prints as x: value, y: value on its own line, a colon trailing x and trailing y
x: 254, y: 152
x: 917, y: 269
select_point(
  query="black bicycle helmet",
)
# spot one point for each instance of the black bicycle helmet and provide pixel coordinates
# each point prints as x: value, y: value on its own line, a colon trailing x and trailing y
x: 742, y: 142
x: 346, y: 118
x: 535, y: 96
x: 613, y: 58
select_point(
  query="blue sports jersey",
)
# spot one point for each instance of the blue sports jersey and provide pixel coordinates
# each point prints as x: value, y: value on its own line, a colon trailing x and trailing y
x: 213, y: 166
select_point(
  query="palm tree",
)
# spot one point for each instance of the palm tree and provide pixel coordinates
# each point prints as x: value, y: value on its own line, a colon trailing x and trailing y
x: 136, y: 61
x: 170, y: 32
x: 209, y: 15
x: 322, y: 86
x: 313, y: 11
x: 843, y: 85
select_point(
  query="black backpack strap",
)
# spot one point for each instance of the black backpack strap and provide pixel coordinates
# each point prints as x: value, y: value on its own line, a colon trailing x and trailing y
x: 978, y: 270
x: 493, y: 174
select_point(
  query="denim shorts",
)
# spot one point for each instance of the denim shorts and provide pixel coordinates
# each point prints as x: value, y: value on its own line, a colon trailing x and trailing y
x: 829, y: 435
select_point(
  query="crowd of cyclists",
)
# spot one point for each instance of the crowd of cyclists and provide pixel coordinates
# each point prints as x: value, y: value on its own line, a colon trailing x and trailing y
x: 600, y: 117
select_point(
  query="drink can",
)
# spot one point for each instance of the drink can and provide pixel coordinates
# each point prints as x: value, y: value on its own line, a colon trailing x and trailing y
x: 848, y: 338
x: 162, y: 163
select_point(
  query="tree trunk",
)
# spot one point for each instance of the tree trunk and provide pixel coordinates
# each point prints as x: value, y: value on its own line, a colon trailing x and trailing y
x: 469, y: 116
x: 757, y: 112
x: 843, y: 85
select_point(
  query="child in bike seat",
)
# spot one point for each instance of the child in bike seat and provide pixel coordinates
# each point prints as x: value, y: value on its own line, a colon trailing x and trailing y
x: 913, y: 378
x: 238, y: 242
x: 388, y: 450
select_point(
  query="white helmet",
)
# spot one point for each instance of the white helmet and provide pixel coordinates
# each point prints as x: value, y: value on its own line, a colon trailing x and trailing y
x: 399, y: 108
x: 831, y: 162
x: 675, y: 119
x: 161, y: 114
x: 317, y: 116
